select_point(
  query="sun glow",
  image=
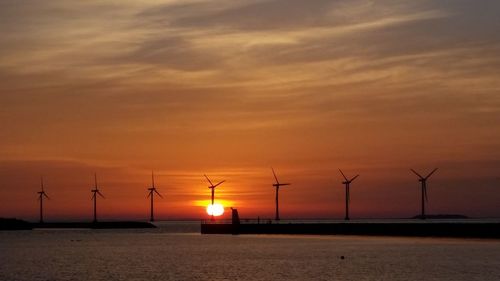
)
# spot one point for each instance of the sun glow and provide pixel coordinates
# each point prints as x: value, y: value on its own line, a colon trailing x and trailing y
x: 215, y: 209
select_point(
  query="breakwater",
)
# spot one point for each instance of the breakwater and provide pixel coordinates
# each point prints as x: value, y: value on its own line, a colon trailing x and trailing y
x: 426, y: 229
x: 14, y: 224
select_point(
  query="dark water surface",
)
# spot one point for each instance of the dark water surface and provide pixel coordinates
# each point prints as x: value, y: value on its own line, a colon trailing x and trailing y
x: 176, y: 251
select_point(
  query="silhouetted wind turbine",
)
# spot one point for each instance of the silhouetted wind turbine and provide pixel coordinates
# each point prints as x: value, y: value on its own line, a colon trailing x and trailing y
x: 277, y: 185
x: 152, y: 191
x: 95, y: 191
x: 347, y: 182
x: 41, y: 194
x: 423, y: 180
x: 212, y: 188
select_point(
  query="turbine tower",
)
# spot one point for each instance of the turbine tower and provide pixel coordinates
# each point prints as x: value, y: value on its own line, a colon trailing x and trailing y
x: 423, y: 181
x: 212, y: 188
x: 41, y: 195
x: 277, y: 185
x: 95, y: 191
x: 347, y: 183
x: 152, y: 191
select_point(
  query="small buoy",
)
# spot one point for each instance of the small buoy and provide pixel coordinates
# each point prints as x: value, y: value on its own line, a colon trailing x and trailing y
x: 342, y: 257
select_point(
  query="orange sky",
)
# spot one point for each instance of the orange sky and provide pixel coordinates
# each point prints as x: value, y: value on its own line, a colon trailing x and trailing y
x: 231, y: 88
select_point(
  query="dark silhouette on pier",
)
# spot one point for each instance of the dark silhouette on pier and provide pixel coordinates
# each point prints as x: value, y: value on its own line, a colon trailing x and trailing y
x: 423, y: 180
x: 212, y: 188
x: 152, y: 191
x: 347, y: 183
x: 95, y: 191
x: 277, y: 185
x: 41, y: 195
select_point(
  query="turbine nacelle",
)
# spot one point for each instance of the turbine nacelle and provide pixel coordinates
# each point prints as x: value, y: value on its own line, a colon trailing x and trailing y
x: 421, y: 178
x: 211, y: 184
x: 42, y: 192
x: 153, y: 190
x: 96, y: 191
x: 278, y: 184
x: 347, y: 181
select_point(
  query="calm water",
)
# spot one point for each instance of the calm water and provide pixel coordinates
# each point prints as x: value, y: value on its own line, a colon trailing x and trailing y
x: 178, y: 252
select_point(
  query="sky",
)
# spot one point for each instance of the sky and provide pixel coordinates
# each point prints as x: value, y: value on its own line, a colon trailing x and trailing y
x: 233, y: 88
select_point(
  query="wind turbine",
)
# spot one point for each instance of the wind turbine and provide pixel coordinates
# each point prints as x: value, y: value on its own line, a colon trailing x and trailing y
x: 95, y: 191
x: 347, y: 182
x: 41, y: 195
x: 152, y: 191
x: 423, y: 180
x: 212, y: 188
x: 277, y: 185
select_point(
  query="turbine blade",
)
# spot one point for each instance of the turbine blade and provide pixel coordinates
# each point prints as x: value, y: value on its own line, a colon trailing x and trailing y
x: 219, y: 183
x: 281, y: 184
x: 100, y: 194
x: 430, y: 174
x: 149, y: 194
x: 418, y: 175
x: 275, y: 177
x: 46, y: 196
x: 343, y: 175
x: 158, y: 193
x: 354, y: 178
x: 209, y: 180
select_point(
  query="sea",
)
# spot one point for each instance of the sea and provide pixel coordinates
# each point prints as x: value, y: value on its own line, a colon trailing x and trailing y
x: 177, y: 251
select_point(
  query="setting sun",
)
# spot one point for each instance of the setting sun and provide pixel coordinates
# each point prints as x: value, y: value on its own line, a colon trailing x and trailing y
x: 215, y: 209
